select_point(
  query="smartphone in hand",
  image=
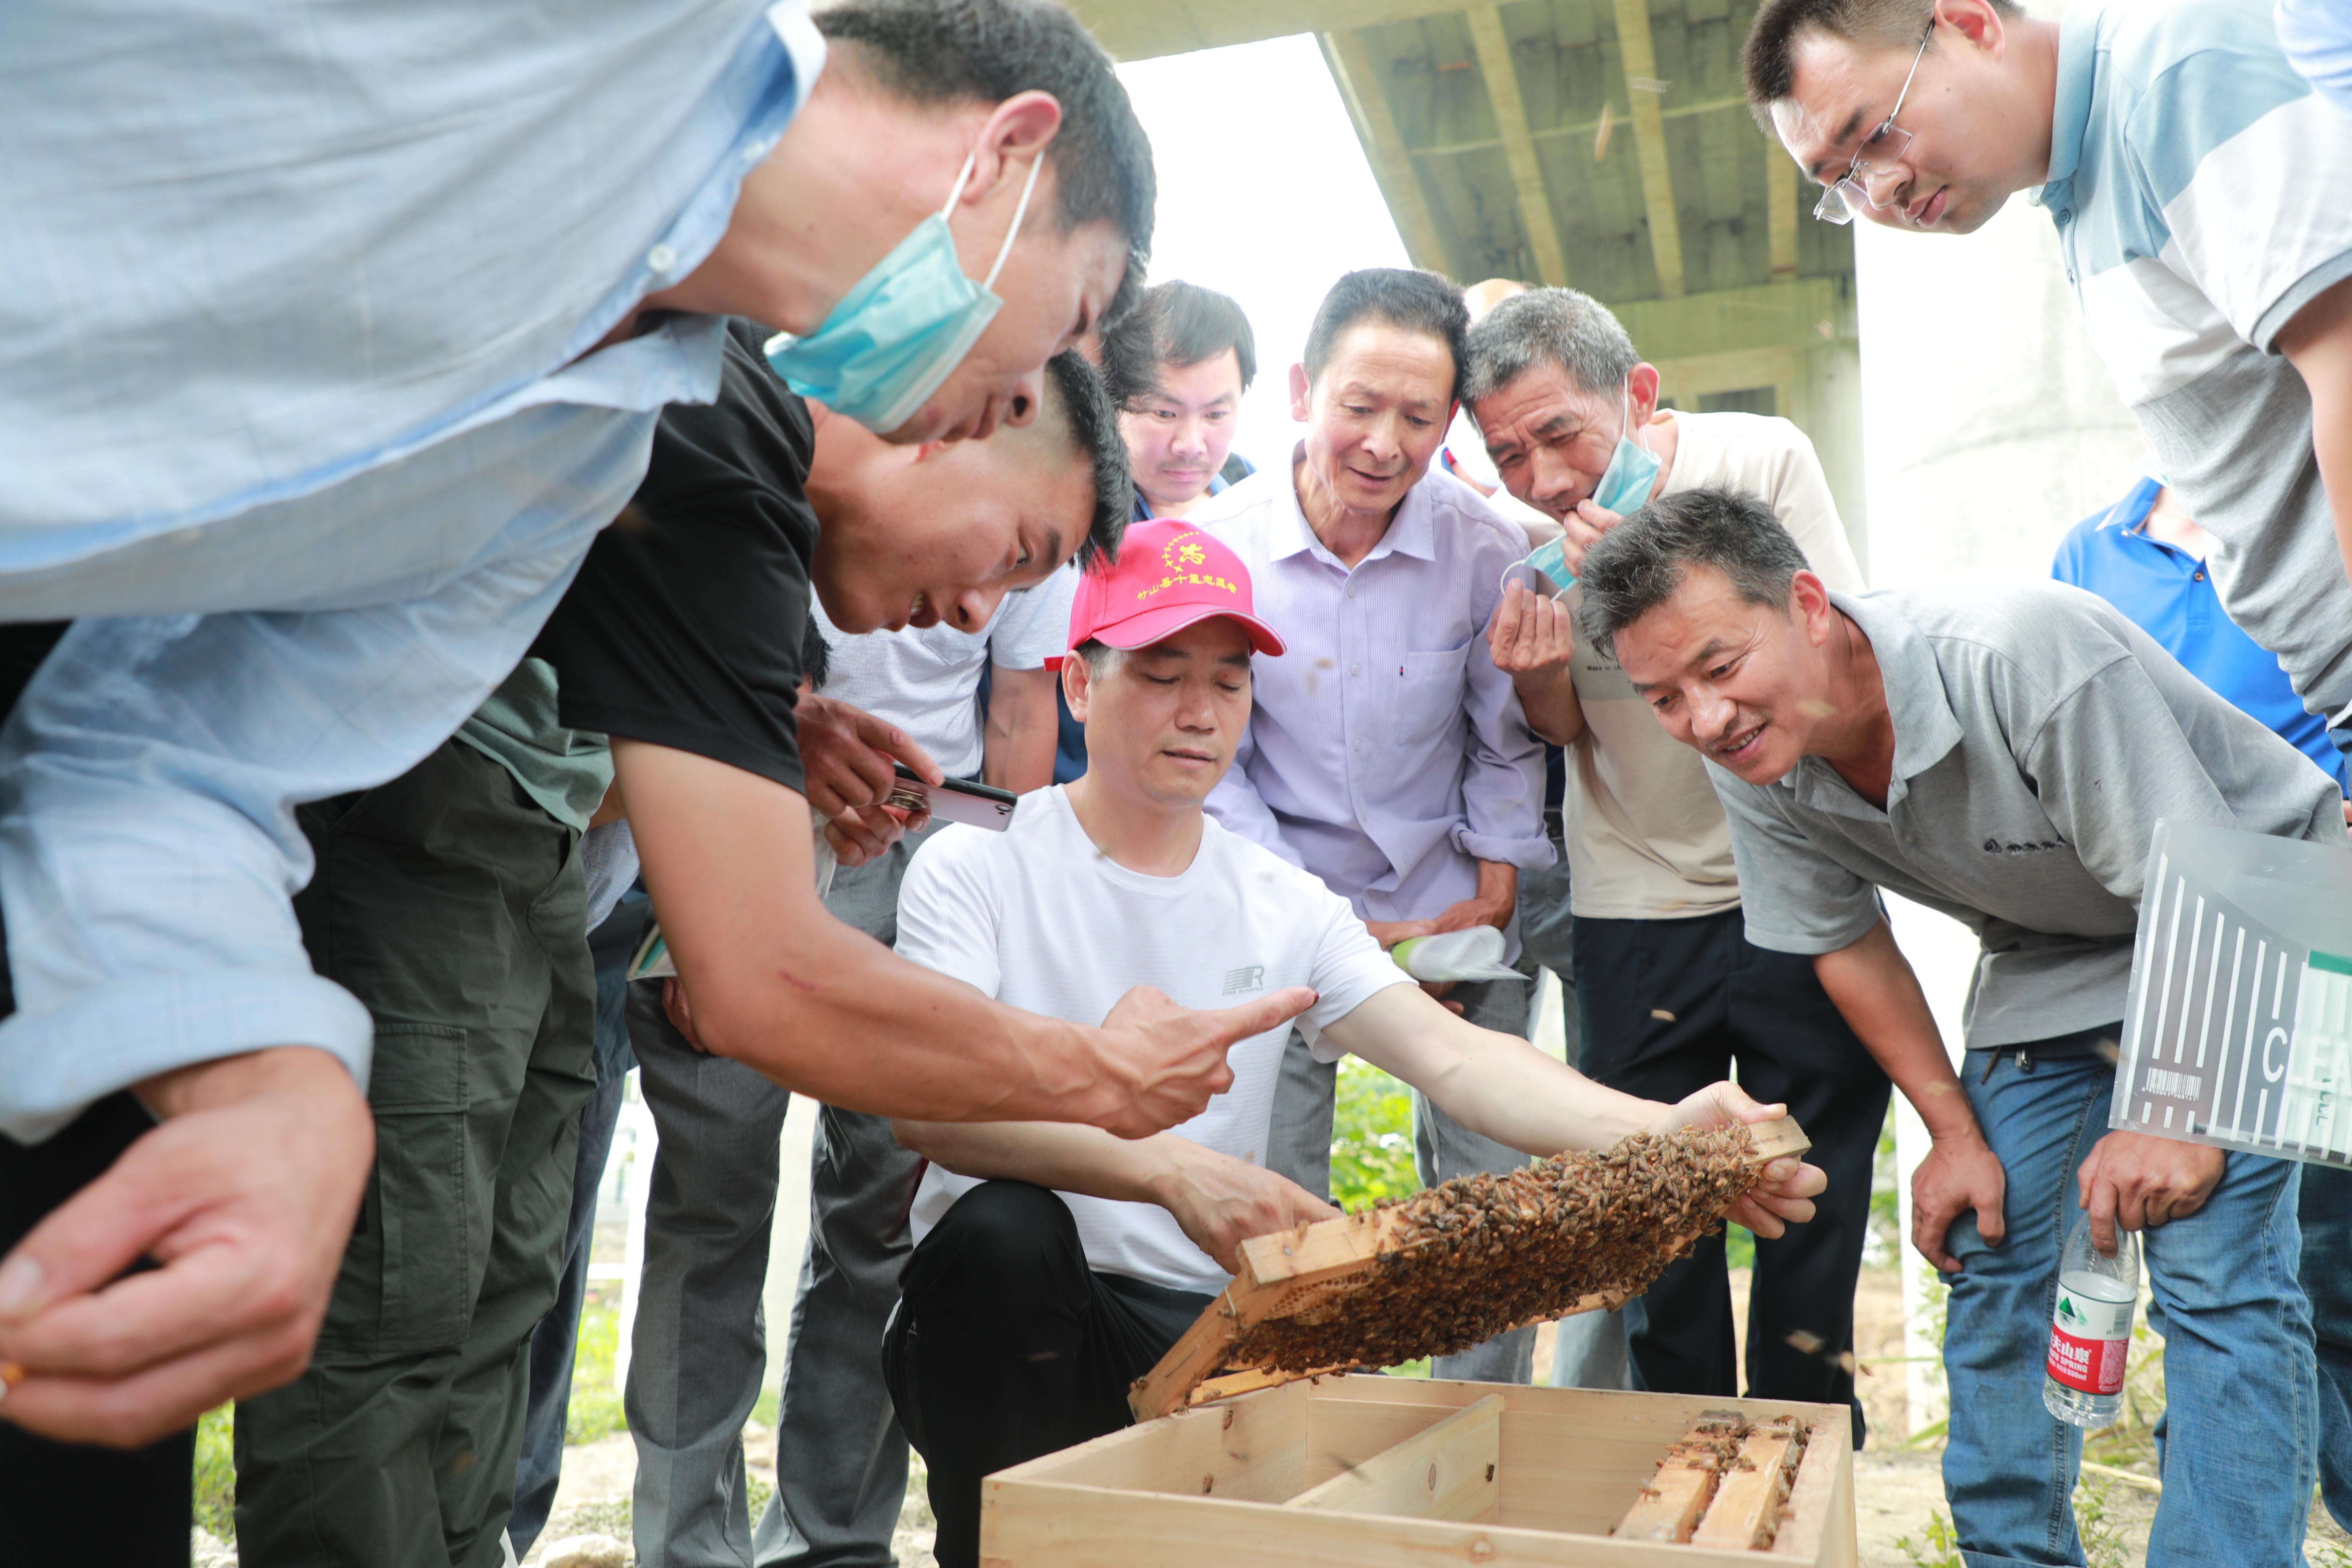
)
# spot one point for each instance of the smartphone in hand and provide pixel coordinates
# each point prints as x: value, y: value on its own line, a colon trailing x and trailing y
x: 981, y: 805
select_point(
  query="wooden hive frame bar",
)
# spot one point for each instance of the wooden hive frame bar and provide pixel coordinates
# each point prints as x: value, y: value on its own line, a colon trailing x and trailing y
x: 1279, y: 1269
x: 1446, y: 1471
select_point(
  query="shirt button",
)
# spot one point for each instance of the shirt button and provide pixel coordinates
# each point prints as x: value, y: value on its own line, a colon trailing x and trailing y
x: 661, y: 258
x: 1355, y: 669
x: 1360, y: 746
x: 2197, y: 576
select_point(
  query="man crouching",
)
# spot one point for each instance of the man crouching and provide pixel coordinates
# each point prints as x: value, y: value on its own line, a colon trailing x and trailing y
x: 1056, y: 1264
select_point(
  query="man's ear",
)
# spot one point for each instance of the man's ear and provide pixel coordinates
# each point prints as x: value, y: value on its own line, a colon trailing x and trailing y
x: 1298, y: 391
x: 1809, y: 603
x: 1016, y: 131
x: 1076, y: 684
x: 1976, y: 21
x: 1642, y: 386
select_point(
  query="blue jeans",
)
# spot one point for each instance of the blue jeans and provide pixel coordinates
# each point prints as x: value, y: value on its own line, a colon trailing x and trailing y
x: 2239, y: 1370
x: 2326, y: 1214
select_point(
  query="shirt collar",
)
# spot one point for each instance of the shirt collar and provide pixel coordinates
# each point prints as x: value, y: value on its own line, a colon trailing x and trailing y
x: 1412, y: 531
x: 2078, y: 68
x: 1924, y: 728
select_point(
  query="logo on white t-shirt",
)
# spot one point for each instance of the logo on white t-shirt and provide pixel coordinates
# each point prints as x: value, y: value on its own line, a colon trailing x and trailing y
x: 1251, y: 977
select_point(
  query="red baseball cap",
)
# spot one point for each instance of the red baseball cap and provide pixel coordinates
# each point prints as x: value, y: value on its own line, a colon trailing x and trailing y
x: 1170, y: 575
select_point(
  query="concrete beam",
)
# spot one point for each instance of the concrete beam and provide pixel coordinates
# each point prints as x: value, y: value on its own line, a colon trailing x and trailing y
x: 1579, y: 131
x: 1145, y: 29
x: 1640, y: 63
x: 1518, y: 146
x: 1798, y: 312
x: 1376, y: 128
x: 1780, y: 209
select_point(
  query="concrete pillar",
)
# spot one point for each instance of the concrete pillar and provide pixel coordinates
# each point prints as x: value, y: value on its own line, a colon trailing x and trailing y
x: 1825, y: 402
x: 1989, y: 427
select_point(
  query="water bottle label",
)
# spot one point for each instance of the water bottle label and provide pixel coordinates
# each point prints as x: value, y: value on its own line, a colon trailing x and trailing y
x: 2088, y: 1340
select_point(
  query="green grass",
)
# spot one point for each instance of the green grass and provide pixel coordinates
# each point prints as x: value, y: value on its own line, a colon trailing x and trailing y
x: 216, y: 1472
x: 595, y: 1408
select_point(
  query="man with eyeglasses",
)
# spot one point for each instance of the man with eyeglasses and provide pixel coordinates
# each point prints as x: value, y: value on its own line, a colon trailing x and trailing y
x: 2198, y: 183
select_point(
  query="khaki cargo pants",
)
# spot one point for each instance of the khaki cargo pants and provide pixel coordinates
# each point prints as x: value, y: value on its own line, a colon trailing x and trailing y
x: 453, y: 906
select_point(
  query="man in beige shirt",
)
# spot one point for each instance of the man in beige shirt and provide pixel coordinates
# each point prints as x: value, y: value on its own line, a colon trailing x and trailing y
x: 1670, y: 991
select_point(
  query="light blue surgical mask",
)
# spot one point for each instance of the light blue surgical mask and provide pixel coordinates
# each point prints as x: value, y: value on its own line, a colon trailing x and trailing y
x: 896, y: 338
x: 1632, y: 468
x: 1624, y: 488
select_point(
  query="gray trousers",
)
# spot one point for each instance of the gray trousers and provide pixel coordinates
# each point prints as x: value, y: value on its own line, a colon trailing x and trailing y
x: 1299, y: 1147
x: 698, y: 1357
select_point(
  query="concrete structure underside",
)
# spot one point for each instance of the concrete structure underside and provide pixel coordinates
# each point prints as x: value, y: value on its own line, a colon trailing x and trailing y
x: 1603, y: 144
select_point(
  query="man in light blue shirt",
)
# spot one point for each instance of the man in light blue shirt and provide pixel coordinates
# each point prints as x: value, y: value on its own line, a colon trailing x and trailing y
x: 327, y: 350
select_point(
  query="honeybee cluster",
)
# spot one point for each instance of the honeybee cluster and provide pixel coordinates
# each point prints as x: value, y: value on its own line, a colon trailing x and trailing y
x: 1472, y: 1257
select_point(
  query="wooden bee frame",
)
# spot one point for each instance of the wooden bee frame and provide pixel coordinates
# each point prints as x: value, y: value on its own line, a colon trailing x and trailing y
x: 1304, y: 1269
x: 1386, y: 1472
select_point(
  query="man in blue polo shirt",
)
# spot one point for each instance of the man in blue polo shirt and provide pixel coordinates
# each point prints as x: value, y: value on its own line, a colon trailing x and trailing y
x: 2146, y: 556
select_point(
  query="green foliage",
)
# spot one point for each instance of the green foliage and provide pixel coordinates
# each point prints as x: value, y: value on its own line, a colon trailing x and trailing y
x: 1940, y: 1550
x: 1371, y: 1139
x: 216, y: 1472
x: 2102, y: 1541
x: 1885, y: 1241
x: 1738, y: 1246
x: 595, y: 1408
x: 757, y: 1489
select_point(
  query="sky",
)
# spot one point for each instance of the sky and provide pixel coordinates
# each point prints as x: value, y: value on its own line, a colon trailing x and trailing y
x: 1263, y: 194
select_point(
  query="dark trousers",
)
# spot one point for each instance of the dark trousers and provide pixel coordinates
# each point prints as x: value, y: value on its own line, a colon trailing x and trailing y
x: 1006, y: 1346
x: 61, y: 1501
x: 1669, y: 1006
x: 555, y: 1342
x: 61, y: 1504
x: 453, y: 906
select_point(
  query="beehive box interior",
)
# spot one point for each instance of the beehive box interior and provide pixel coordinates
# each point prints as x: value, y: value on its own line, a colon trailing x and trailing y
x: 1377, y: 1471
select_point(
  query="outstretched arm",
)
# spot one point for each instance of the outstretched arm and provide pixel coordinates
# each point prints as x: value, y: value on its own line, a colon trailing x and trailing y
x: 777, y: 982
x: 1501, y: 1086
x: 2318, y: 343
x: 1873, y: 988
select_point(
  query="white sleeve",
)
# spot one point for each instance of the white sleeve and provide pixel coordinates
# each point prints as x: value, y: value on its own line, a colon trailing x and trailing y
x: 949, y: 919
x: 1350, y: 967
x: 1035, y: 624
x: 1801, y: 498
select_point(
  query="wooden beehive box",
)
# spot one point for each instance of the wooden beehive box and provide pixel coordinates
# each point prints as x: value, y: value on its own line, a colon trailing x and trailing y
x: 1381, y: 1472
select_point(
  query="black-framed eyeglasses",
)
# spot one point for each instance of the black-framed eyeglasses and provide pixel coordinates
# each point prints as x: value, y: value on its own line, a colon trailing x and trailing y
x: 1843, y: 198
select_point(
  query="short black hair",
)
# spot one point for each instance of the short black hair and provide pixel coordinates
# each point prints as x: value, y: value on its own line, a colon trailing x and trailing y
x: 959, y: 51
x: 1174, y: 323
x: 1403, y: 297
x: 1637, y: 565
x: 1094, y: 653
x: 1075, y: 396
x: 1768, y: 61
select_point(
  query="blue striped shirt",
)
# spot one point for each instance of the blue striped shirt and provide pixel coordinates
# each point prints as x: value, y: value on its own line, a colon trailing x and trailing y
x: 2199, y: 187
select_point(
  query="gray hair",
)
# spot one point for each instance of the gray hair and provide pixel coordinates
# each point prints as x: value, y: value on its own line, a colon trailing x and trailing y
x: 1637, y: 565
x: 1548, y: 326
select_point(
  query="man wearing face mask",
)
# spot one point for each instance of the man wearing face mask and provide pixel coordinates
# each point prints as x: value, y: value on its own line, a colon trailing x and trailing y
x: 1387, y: 753
x: 426, y: 383
x: 1670, y: 989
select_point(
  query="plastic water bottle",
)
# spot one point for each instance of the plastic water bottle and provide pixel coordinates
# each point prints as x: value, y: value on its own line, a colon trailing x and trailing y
x: 2090, y: 1330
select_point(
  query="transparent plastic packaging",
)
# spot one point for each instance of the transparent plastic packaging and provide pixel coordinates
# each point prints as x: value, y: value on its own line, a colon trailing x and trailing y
x: 1475, y: 953
x: 2090, y: 1329
x: 2238, y: 1031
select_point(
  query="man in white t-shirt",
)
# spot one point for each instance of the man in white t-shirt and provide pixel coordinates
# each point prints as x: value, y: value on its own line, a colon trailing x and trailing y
x: 1054, y: 1265
x: 1671, y: 989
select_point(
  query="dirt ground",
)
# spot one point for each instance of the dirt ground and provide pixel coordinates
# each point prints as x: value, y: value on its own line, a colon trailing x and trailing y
x: 1898, y: 1491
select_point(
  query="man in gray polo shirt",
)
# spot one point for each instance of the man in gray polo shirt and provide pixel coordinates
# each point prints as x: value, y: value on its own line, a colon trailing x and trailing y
x: 2002, y: 756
